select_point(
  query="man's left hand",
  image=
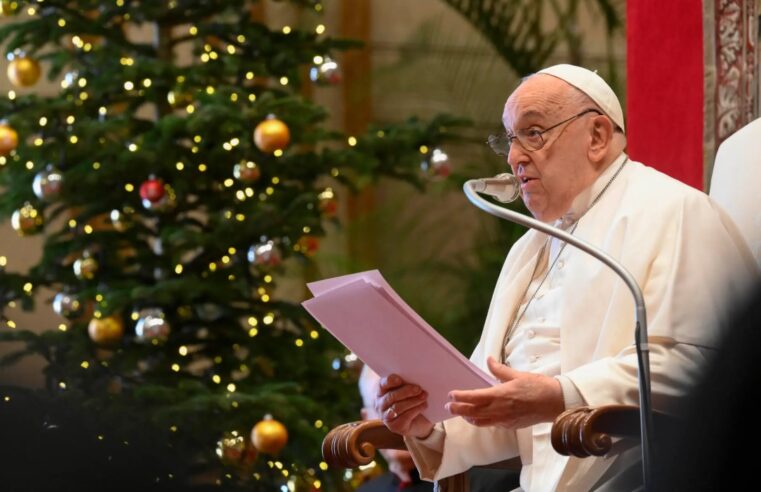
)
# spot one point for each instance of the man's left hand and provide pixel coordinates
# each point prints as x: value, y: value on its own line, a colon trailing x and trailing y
x: 521, y: 400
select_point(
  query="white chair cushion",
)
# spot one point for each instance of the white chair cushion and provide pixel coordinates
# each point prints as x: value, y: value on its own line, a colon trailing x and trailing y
x: 736, y: 182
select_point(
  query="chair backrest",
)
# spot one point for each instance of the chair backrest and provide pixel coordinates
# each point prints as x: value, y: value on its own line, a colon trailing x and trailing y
x: 736, y: 182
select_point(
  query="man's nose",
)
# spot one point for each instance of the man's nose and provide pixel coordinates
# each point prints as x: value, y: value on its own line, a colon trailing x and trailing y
x: 516, y: 155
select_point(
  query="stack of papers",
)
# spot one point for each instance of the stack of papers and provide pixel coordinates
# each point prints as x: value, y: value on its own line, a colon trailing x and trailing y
x: 365, y: 314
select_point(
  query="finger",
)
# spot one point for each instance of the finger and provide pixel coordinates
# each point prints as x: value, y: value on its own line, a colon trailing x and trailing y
x: 501, y: 371
x: 474, y: 397
x: 404, y: 405
x: 464, y: 410
x: 400, y: 394
x: 389, y: 383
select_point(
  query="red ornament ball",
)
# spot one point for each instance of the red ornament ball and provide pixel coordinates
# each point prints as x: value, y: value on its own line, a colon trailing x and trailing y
x: 308, y: 245
x: 152, y: 190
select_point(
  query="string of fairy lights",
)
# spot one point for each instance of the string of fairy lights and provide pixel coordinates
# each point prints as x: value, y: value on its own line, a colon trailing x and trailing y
x: 271, y: 136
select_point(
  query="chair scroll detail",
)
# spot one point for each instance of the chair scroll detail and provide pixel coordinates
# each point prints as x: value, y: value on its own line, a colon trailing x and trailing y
x: 587, y: 431
x: 354, y: 444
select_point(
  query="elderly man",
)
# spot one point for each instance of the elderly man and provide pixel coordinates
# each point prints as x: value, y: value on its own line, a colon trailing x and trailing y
x: 559, y: 333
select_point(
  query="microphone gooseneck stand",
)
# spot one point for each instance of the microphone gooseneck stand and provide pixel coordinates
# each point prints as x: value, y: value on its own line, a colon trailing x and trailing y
x: 640, y: 332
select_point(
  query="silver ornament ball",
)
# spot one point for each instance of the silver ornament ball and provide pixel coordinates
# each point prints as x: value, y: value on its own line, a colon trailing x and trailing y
x: 152, y: 325
x: 67, y: 305
x: 327, y: 72
x: 86, y: 267
x: 266, y: 253
x: 437, y: 165
x: 48, y: 183
x: 27, y: 220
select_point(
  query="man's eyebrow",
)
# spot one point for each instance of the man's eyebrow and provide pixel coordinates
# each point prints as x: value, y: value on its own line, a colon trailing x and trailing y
x: 531, y: 113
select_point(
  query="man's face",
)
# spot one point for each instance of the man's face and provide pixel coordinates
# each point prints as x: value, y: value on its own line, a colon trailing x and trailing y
x: 554, y: 175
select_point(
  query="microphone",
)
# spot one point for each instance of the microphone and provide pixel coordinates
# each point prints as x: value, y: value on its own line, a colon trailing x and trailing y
x: 504, y: 188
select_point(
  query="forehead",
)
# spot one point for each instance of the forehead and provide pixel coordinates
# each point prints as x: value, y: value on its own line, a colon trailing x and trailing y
x: 539, y: 97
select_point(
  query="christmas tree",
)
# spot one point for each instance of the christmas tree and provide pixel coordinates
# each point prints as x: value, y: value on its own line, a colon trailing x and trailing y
x: 171, y: 195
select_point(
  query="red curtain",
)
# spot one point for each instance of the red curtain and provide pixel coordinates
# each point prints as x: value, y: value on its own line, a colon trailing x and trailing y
x: 665, y: 86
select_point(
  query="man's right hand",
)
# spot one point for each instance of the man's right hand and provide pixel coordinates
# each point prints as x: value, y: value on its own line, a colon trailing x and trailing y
x: 400, y: 406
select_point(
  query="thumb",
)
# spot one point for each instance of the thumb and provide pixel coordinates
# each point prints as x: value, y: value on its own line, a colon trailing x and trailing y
x: 501, y: 371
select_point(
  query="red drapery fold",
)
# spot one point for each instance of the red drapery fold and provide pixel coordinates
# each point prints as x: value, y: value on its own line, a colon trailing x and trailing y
x: 665, y: 86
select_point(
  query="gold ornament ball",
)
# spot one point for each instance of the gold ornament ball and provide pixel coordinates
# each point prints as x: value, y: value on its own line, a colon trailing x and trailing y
x: 27, y: 220
x: 269, y: 436
x: 271, y: 135
x: 8, y: 139
x: 24, y: 72
x: 86, y: 268
x: 179, y: 98
x: 106, y: 331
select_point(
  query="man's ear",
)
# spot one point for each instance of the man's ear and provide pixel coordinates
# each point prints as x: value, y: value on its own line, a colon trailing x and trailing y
x: 364, y: 414
x: 601, y: 138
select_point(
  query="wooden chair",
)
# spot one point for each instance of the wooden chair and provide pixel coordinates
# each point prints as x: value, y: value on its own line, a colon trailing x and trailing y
x: 587, y: 431
x: 580, y: 432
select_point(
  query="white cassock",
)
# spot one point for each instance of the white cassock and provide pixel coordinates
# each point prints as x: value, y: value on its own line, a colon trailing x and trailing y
x: 690, y: 262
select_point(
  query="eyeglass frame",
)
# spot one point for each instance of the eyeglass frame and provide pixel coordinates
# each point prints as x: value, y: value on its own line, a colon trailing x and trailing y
x: 494, y: 141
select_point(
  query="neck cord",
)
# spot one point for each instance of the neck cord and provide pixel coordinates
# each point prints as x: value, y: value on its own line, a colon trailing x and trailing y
x: 514, y: 324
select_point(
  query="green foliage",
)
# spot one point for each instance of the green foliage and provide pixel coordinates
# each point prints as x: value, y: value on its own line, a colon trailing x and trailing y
x: 236, y: 351
x: 526, y: 33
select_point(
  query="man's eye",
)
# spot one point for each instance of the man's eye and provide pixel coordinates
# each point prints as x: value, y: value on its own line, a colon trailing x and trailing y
x: 533, y: 133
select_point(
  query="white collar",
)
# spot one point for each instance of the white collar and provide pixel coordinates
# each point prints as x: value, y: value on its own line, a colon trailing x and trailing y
x: 583, y: 200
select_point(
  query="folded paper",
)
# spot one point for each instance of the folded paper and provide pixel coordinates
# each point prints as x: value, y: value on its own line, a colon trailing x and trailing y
x: 367, y: 316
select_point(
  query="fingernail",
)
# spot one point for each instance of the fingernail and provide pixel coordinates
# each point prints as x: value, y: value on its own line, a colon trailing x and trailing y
x: 393, y: 379
x: 448, y: 407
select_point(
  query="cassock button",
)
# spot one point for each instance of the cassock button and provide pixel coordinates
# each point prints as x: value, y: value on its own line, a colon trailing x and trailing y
x: 561, y: 264
x: 531, y: 333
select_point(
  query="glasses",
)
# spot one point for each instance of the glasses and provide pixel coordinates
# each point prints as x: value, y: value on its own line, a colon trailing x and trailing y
x: 530, y: 139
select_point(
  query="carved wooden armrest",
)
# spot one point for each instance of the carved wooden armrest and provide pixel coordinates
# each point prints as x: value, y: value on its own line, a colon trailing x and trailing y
x: 354, y: 444
x: 587, y: 431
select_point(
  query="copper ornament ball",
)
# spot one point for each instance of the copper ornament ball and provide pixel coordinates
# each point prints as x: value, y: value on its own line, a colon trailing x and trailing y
x: 8, y: 139
x: 247, y: 172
